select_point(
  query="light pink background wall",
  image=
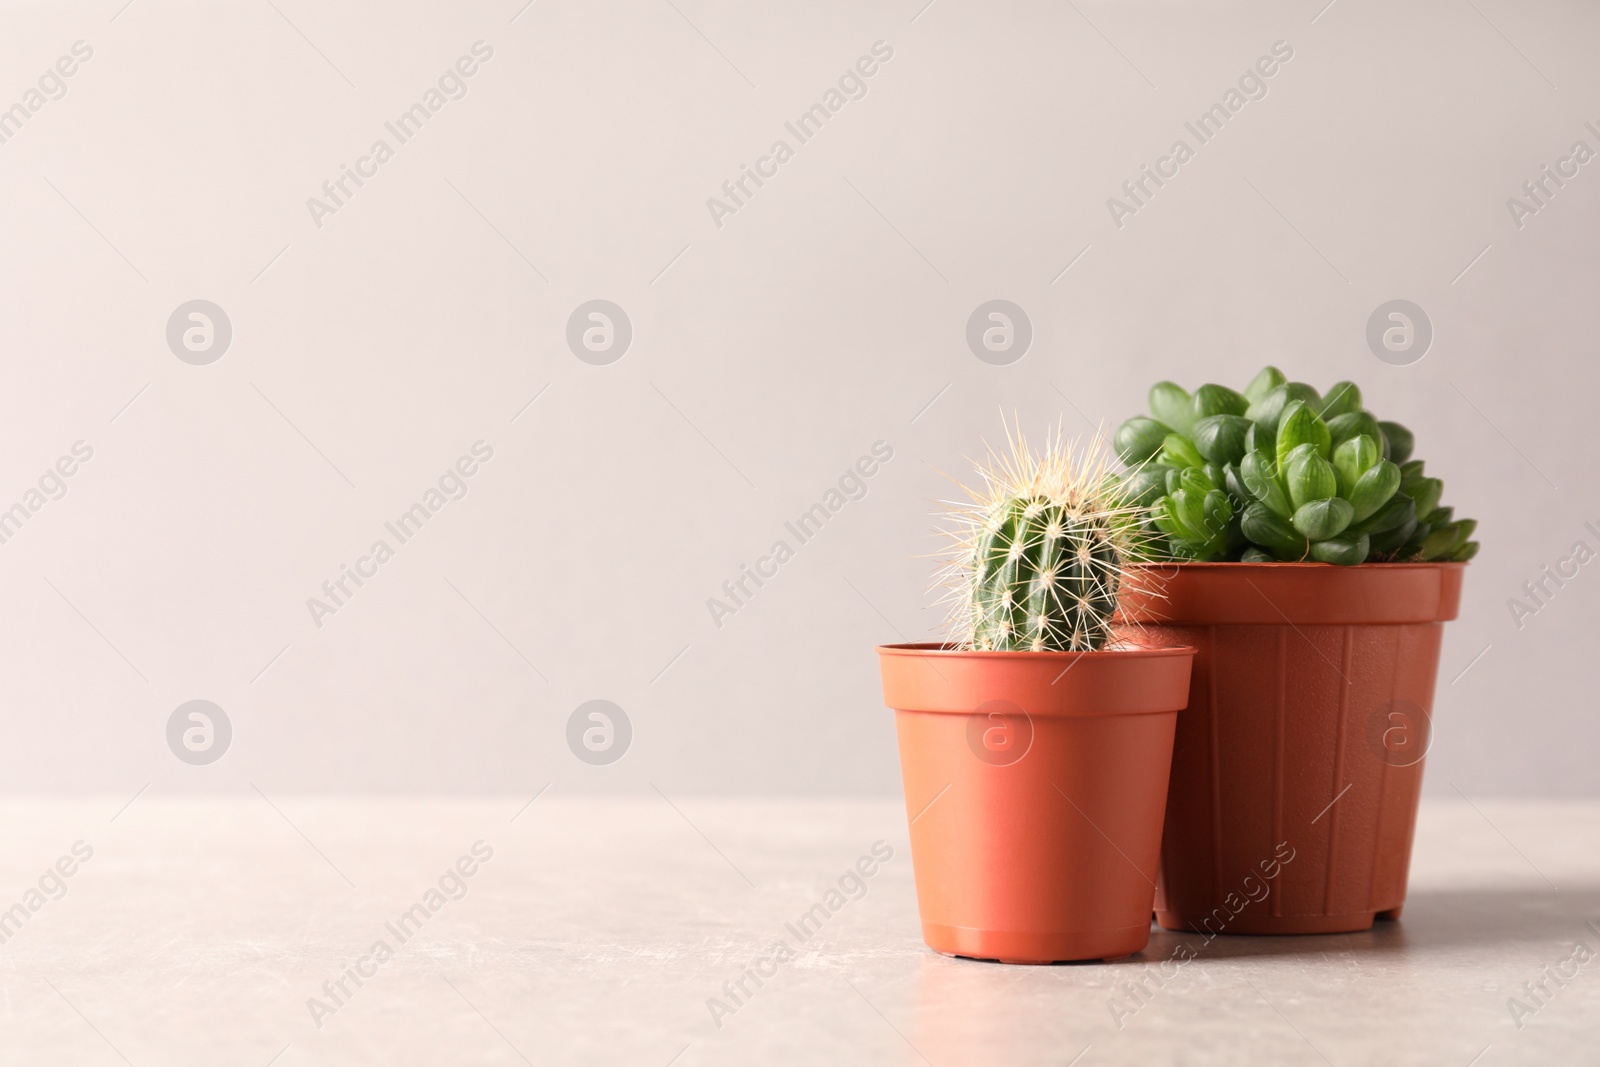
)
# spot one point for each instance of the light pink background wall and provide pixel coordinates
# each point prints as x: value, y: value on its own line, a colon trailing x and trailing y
x: 768, y: 354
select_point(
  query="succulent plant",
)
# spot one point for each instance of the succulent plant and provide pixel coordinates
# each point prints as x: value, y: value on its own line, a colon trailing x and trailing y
x: 1282, y: 472
x: 1041, y: 549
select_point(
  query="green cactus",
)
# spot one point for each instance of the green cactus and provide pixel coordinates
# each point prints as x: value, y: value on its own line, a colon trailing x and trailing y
x: 1041, y: 550
x: 1282, y: 472
x: 1044, y: 578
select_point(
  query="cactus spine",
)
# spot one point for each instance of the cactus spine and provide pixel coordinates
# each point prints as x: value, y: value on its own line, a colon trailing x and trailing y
x: 1044, y: 579
x: 1041, y: 550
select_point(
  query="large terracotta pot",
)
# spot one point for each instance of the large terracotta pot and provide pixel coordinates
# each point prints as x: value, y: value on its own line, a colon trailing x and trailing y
x: 1035, y: 784
x: 1301, y: 751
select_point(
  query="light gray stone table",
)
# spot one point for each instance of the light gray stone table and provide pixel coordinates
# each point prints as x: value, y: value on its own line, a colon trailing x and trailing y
x: 604, y: 931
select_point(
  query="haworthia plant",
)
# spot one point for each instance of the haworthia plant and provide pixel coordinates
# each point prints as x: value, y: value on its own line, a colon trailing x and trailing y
x: 1282, y: 472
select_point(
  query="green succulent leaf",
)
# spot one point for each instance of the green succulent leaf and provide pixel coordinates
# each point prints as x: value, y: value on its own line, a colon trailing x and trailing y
x: 1342, y: 399
x: 1171, y: 404
x: 1139, y: 438
x: 1392, y: 542
x: 1168, y: 517
x: 1302, y: 391
x: 1183, y: 516
x: 1220, y: 438
x: 1396, y: 512
x: 1143, y: 487
x: 1440, y: 542
x: 1218, y: 513
x: 1297, y: 454
x: 1353, y: 459
x: 1347, y: 549
x: 1443, y: 542
x: 1424, y: 490
x: 1179, y: 451
x: 1265, y: 382
x: 1401, y: 441
x: 1311, y: 478
x: 1194, y: 514
x: 1217, y: 400
x: 1354, y: 424
x: 1196, y: 480
x: 1272, y: 532
x: 1426, y: 494
x: 1233, y: 484
x: 1260, y: 478
x: 1301, y: 426
x: 1466, y: 552
x: 1257, y: 555
x: 1319, y: 520
x: 1266, y: 412
x: 1189, y: 550
x: 1378, y: 485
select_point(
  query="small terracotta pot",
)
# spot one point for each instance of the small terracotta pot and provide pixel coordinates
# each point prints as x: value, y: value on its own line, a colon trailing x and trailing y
x: 1035, y: 784
x: 1308, y: 720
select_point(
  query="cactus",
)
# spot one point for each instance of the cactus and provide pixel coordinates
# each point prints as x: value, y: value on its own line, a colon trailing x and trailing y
x: 1282, y: 472
x: 1041, y: 549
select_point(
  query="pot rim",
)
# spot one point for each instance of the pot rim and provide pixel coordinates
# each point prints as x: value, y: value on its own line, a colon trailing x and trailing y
x: 1297, y: 593
x: 931, y: 676
x: 946, y: 650
x: 1307, y: 564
